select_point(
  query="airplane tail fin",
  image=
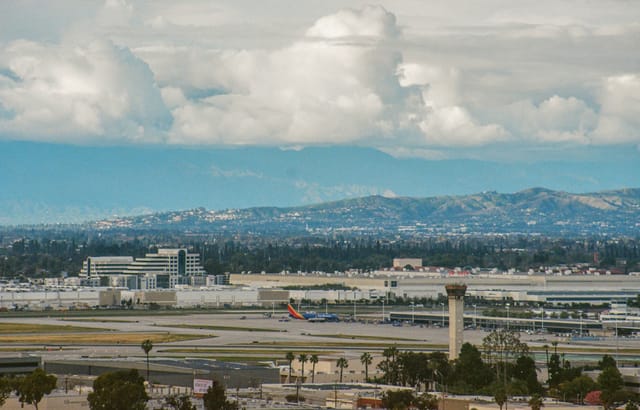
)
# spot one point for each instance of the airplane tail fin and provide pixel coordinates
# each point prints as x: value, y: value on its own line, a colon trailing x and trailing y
x: 294, y: 313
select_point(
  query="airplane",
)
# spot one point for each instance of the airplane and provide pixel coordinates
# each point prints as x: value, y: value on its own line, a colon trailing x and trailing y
x: 312, y: 316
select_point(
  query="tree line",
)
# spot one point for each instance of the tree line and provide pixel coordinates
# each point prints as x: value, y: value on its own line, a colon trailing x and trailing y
x: 125, y: 390
x: 51, y: 256
x: 501, y: 368
x: 119, y: 390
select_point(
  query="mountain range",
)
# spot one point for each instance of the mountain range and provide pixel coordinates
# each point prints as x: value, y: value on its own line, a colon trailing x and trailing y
x: 531, y: 211
x: 43, y: 183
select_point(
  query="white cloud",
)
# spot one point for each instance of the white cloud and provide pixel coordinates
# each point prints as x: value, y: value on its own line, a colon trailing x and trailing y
x: 344, y: 82
x: 370, y: 21
x: 234, y: 173
x: 393, y: 76
x: 328, y: 87
x: 414, y: 152
x: 556, y: 119
x: 313, y: 192
x: 455, y: 126
x: 448, y: 123
x: 75, y: 92
x: 173, y: 97
x: 571, y: 120
x: 619, y: 120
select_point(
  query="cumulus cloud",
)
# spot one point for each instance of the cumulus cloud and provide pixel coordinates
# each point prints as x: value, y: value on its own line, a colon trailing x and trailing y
x: 619, y: 120
x: 370, y: 21
x: 448, y: 122
x: 72, y: 92
x: 571, y: 120
x: 336, y: 85
x: 174, y: 73
x: 344, y: 82
x: 556, y: 119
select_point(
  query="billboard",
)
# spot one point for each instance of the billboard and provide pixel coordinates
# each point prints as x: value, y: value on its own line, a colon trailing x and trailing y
x: 200, y: 386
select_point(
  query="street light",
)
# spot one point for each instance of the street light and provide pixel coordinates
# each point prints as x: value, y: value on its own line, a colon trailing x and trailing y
x: 507, y: 305
x: 616, y: 339
x: 475, y: 315
x: 580, y: 313
x: 413, y: 313
x: 383, y: 309
x: 443, y: 387
x: 354, y: 305
x: 442, y: 304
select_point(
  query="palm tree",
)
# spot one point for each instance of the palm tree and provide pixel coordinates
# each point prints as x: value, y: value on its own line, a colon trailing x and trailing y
x: 366, y: 360
x: 536, y: 402
x: 546, y: 352
x: 303, y: 358
x: 313, y: 360
x: 342, y: 363
x: 390, y: 364
x: 147, y: 345
x: 500, y: 396
x: 290, y: 358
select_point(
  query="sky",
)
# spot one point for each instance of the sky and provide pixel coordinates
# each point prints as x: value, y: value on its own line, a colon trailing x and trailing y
x: 496, y: 80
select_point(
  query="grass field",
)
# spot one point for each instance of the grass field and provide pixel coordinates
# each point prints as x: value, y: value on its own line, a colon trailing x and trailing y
x: 277, y: 353
x: 365, y: 345
x: 28, y: 349
x: 232, y: 359
x: 366, y: 337
x: 12, y: 328
x: 97, y: 339
x: 213, y: 327
x: 100, y: 320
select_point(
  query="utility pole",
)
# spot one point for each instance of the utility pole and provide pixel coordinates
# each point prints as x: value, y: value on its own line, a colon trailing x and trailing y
x: 475, y: 315
x: 617, y: 340
x: 580, y: 313
x: 354, y: 305
x: 507, y: 305
x: 413, y: 313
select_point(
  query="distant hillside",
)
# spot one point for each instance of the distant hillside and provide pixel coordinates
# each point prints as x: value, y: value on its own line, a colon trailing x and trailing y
x: 535, y: 210
x: 60, y: 184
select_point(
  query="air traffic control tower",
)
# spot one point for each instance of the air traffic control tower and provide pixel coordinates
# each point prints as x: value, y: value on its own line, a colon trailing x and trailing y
x: 455, y: 293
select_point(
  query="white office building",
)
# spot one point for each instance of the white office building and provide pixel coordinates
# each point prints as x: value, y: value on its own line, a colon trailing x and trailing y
x: 166, y: 269
x: 105, y: 265
x: 175, y: 262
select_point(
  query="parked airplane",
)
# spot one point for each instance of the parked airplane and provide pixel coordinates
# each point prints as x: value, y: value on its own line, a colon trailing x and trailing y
x: 312, y: 316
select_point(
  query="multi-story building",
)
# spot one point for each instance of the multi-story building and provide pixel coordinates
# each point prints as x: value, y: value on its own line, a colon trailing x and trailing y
x: 105, y: 265
x: 165, y: 269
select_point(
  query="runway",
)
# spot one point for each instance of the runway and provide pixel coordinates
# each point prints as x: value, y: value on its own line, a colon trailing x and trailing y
x: 250, y: 335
